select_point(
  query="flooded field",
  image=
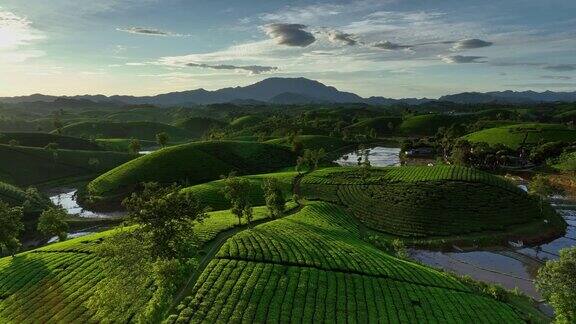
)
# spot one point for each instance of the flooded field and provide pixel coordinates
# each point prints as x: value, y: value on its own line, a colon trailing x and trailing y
x: 512, y: 267
x: 379, y: 156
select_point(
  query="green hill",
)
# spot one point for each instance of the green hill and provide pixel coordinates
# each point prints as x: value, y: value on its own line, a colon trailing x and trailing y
x: 198, y: 126
x: 246, y: 121
x: 381, y: 125
x: 28, y: 165
x: 314, y: 267
x: 192, y: 164
x: 515, y: 136
x: 436, y: 204
x: 315, y: 142
x: 568, y: 116
x: 211, y: 193
x: 139, y: 130
x: 429, y: 124
x: 123, y: 144
x: 42, y: 139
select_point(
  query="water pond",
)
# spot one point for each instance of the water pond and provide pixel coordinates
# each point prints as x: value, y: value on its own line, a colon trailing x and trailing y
x: 379, y: 156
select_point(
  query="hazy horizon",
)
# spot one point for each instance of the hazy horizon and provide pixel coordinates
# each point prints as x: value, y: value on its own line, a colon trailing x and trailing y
x: 396, y: 48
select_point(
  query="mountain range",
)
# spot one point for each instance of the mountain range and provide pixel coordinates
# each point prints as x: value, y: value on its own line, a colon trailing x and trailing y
x: 289, y: 91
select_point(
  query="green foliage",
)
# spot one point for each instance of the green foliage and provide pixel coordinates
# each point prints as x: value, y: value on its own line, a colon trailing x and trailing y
x: 11, y: 227
x: 274, y: 197
x: 52, y: 222
x: 42, y: 140
x: 541, y: 186
x: 162, y: 139
x: 166, y: 217
x: 134, y: 146
x: 236, y: 192
x: 310, y: 159
x: 557, y: 282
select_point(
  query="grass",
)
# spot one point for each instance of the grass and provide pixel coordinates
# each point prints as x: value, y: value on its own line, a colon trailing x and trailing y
x: 25, y: 166
x: 211, y: 193
x: 442, y: 204
x: 313, y: 266
x: 192, y: 163
x: 140, y: 130
x: 52, y: 284
x: 42, y: 139
x: 515, y: 136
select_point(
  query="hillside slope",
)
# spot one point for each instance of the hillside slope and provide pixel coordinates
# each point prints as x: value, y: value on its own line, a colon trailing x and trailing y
x: 192, y: 164
x: 515, y: 136
x: 139, y: 130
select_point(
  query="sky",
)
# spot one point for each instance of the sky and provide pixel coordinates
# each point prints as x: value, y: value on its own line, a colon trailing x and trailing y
x: 391, y: 48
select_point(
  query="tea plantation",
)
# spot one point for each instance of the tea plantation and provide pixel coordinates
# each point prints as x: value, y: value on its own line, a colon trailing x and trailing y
x: 139, y: 130
x: 314, y: 267
x: 515, y: 136
x: 426, y: 203
x: 42, y: 140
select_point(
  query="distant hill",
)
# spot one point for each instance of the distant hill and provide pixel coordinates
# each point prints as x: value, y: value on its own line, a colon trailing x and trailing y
x: 287, y: 91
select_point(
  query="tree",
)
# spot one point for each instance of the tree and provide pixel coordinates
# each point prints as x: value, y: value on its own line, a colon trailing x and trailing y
x: 156, y: 250
x: 235, y: 190
x: 52, y: 222
x: 556, y: 281
x: 134, y: 146
x: 11, y: 227
x: 162, y: 139
x: 541, y: 186
x: 274, y: 197
x: 248, y: 214
x: 166, y: 217
x: 13, y: 143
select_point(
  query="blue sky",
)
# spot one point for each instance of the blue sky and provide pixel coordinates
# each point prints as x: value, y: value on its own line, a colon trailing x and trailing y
x: 392, y: 48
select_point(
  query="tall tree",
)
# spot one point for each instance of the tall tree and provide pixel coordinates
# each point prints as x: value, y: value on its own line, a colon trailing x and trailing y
x: 134, y: 146
x: 274, y: 197
x: 162, y: 139
x: 156, y: 249
x: 52, y: 222
x: 236, y: 191
x: 11, y: 227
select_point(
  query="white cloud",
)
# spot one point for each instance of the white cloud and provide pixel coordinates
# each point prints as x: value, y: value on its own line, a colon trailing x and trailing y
x: 16, y: 37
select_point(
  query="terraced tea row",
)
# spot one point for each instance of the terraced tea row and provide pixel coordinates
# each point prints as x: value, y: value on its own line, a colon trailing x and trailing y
x: 432, y: 202
x: 313, y: 267
x: 53, y: 284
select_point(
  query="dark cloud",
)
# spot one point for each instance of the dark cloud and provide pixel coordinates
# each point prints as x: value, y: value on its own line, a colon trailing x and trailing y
x: 342, y: 38
x: 386, y: 45
x: 253, y: 69
x: 290, y: 34
x: 555, y: 77
x: 148, y: 31
x: 470, y: 44
x: 561, y: 67
x: 458, y: 59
